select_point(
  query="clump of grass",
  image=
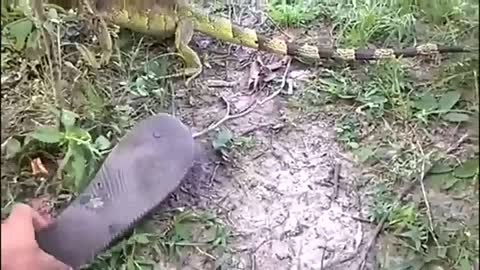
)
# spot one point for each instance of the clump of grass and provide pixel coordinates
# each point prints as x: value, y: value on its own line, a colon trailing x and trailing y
x: 294, y: 12
x: 398, y: 112
x: 360, y: 23
x: 384, y: 23
x: 190, y: 230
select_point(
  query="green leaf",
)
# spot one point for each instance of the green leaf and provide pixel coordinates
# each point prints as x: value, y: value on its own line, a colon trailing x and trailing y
x: 465, y: 264
x: 468, y: 169
x: 456, y: 117
x: 449, y: 182
x: 20, y: 31
x: 78, y: 165
x: 12, y: 148
x: 364, y: 153
x: 158, y: 67
x: 442, y: 252
x: 47, y: 135
x: 131, y: 264
x: 223, y: 139
x: 68, y: 118
x: 435, y: 265
x: 440, y: 168
x: 353, y: 145
x: 102, y: 143
x: 426, y: 102
x: 183, y: 231
x: 448, y: 100
x: 33, y: 40
x: 436, y: 181
x: 141, y: 239
x: 95, y: 101
x: 78, y: 134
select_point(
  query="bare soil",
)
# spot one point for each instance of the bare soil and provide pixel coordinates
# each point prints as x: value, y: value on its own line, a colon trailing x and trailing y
x: 280, y: 196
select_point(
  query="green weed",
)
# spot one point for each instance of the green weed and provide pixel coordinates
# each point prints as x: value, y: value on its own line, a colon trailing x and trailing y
x: 81, y: 154
x: 293, y: 13
x: 225, y: 142
x: 198, y: 231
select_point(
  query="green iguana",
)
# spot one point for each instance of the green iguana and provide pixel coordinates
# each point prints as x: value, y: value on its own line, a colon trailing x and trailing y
x: 177, y: 18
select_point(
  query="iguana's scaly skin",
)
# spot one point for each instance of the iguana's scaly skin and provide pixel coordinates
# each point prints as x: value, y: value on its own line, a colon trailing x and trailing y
x: 163, y: 19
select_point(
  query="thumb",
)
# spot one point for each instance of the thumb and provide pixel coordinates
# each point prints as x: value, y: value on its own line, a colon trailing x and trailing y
x: 48, y: 262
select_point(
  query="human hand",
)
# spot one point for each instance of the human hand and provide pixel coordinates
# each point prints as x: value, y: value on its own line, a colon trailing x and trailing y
x: 20, y: 250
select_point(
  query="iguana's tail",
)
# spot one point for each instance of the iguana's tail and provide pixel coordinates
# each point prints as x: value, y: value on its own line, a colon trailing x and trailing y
x: 223, y: 29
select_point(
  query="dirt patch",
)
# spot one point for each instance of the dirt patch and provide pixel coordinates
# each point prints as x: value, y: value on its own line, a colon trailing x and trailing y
x: 279, y: 196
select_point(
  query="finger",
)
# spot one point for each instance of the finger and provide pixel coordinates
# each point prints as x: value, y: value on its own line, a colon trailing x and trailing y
x: 48, y: 262
x: 23, y: 212
x: 21, y: 218
x: 39, y: 222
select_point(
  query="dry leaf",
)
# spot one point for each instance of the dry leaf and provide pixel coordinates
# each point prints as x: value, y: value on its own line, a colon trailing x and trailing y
x: 38, y: 167
x: 290, y: 86
x: 88, y: 56
x: 269, y: 77
x: 276, y: 65
x: 301, y: 75
x: 254, y: 77
x: 221, y: 83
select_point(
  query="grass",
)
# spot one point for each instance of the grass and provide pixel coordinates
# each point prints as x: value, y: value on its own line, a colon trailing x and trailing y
x: 56, y: 134
x: 186, y: 231
x: 399, y: 118
x: 393, y: 113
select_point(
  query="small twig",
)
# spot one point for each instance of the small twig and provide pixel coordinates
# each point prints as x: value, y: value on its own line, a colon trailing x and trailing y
x: 425, y: 198
x: 336, y: 179
x: 457, y: 144
x: 400, y: 196
x: 299, y: 256
x: 361, y: 219
x: 272, y: 96
x: 260, y: 245
x: 228, y: 116
x: 172, y: 93
x: 284, y: 78
x: 380, y: 225
x: 205, y: 253
x: 323, y: 257
x: 253, y: 262
x: 221, y: 83
x: 212, y: 177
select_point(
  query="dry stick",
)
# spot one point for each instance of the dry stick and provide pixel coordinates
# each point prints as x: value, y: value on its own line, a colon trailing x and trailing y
x: 336, y: 179
x: 425, y: 198
x: 284, y: 78
x: 380, y: 225
x: 228, y: 116
x: 249, y: 109
x: 323, y: 257
x: 399, y: 198
x: 172, y: 96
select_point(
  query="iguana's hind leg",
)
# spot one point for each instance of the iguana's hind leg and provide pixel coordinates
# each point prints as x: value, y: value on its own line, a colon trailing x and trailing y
x: 183, y: 36
x: 100, y: 26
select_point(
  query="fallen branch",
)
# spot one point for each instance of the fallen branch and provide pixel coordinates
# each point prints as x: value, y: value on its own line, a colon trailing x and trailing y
x: 229, y: 116
x: 336, y: 180
x: 380, y: 225
x: 378, y: 229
